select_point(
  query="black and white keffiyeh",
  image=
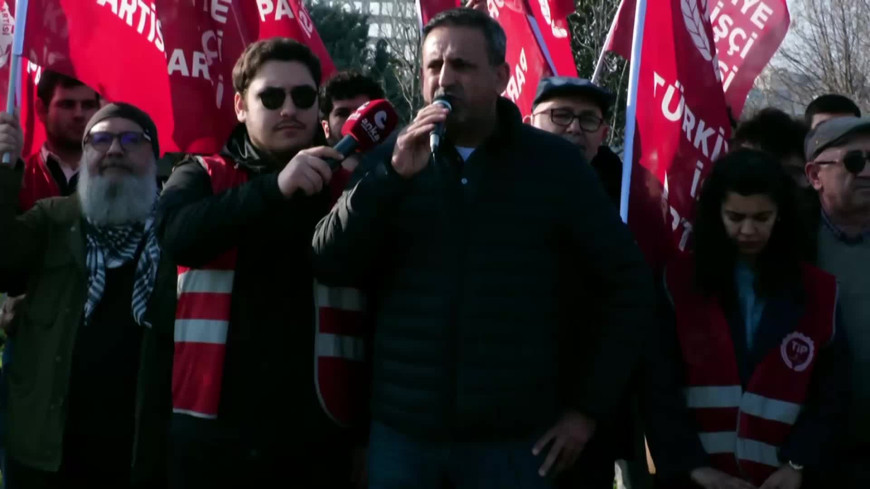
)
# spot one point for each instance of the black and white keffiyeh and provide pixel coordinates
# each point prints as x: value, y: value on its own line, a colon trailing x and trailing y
x: 113, y: 246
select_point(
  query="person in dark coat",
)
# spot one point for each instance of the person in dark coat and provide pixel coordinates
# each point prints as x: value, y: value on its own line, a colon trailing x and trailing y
x: 247, y: 399
x: 473, y: 251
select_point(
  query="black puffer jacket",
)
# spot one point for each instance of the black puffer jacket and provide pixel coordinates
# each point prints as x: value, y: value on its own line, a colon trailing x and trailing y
x: 475, y: 265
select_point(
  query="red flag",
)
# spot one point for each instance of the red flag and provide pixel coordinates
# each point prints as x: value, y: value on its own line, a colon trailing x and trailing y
x: 34, y: 133
x: 682, y: 121
x: 426, y: 9
x: 523, y: 54
x: 171, y: 58
x: 747, y: 34
x: 554, y: 34
x: 619, y: 38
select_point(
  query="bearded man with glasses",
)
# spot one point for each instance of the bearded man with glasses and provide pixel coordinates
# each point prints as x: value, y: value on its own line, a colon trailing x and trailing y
x: 239, y: 224
x: 89, y: 389
x: 838, y: 232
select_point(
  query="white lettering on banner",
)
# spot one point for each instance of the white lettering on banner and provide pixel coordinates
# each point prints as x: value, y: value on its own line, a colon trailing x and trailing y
x: 558, y: 32
x: 211, y: 45
x: 305, y: 21
x: 739, y: 40
x: 698, y: 133
x: 198, y: 64
x: 494, y: 7
x: 36, y: 69
x: 267, y: 7
x: 219, y: 10
x: 126, y: 10
x: 6, y: 34
x: 518, y: 79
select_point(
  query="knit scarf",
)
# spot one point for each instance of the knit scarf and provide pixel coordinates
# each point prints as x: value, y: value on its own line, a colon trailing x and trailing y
x: 113, y: 246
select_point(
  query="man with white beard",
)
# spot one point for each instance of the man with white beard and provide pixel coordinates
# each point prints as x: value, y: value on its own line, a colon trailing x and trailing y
x: 89, y: 392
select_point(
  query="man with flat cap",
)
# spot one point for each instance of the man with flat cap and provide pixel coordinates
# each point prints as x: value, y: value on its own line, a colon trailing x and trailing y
x: 89, y: 392
x: 577, y: 110
x: 839, y: 239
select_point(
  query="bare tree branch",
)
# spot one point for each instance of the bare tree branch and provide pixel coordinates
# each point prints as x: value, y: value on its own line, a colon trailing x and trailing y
x: 828, y: 52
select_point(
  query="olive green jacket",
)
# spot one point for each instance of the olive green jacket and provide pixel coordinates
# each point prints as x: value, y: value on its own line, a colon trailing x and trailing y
x: 47, y: 245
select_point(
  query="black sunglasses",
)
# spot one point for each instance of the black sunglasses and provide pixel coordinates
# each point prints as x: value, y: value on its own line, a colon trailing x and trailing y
x: 854, y: 161
x: 102, y: 141
x: 273, y: 98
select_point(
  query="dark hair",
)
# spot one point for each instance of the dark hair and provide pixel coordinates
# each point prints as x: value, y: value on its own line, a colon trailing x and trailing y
x: 831, y: 103
x: 345, y: 85
x: 774, y: 132
x: 275, y: 49
x: 746, y: 172
x: 50, y: 80
x: 496, y: 40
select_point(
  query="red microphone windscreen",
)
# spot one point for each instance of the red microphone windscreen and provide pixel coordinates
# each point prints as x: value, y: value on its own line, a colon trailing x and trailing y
x: 371, y: 124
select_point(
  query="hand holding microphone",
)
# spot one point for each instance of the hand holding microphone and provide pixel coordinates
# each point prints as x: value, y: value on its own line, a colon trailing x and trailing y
x: 421, y: 138
x: 311, y: 169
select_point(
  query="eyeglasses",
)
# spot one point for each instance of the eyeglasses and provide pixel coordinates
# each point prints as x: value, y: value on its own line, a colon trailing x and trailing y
x: 273, y: 97
x: 564, y: 117
x: 102, y: 141
x: 854, y: 161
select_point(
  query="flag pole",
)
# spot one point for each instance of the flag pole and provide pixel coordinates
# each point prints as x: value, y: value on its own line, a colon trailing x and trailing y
x: 631, y: 106
x: 15, y: 62
x: 599, y: 65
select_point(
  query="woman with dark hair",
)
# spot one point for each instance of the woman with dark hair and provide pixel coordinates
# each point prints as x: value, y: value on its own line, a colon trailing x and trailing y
x: 763, y: 361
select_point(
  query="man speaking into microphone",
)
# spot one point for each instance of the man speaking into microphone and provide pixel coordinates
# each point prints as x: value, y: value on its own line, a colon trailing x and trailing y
x: 483, y: 373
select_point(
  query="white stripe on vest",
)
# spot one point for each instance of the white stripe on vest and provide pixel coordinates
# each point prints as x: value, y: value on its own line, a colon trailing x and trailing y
x: 719, y: 442
x: 344, y: 298
x: 340, y: 346
x: 726, y: 396
x: 213, y: 331
x: 749, y: 403
x: 770, y: 409
x: 206, y: 282
x: 758, y: 452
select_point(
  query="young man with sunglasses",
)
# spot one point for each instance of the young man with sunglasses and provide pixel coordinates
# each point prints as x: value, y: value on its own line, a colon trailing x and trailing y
x: 839, y: 237
x: 246, y: 407
x: 89, y: 389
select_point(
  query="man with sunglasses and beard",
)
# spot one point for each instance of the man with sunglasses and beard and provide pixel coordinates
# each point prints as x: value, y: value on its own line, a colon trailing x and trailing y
x: 839, y: 240
x: 239, y: 225
x: 89, y: 390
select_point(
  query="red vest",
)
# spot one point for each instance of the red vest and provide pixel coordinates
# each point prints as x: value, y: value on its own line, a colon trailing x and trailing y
x: 37, y: 183
x: 743, y: 430
x: 203, y: 317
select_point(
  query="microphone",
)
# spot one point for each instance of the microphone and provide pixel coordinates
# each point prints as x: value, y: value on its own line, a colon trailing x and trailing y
x: 367, y: 127
x: 435, y: 136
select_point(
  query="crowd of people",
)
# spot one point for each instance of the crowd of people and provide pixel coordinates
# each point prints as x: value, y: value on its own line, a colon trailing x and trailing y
x: 472, y: 317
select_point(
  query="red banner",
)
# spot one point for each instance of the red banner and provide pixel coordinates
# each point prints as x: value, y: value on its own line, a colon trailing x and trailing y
x: 682, y: 121
x: 172, y: 58
x: 746, y: 33
x: 526, y: 61
x: 554, y: 34
x: 426, y: 9
x: 34, y: 133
